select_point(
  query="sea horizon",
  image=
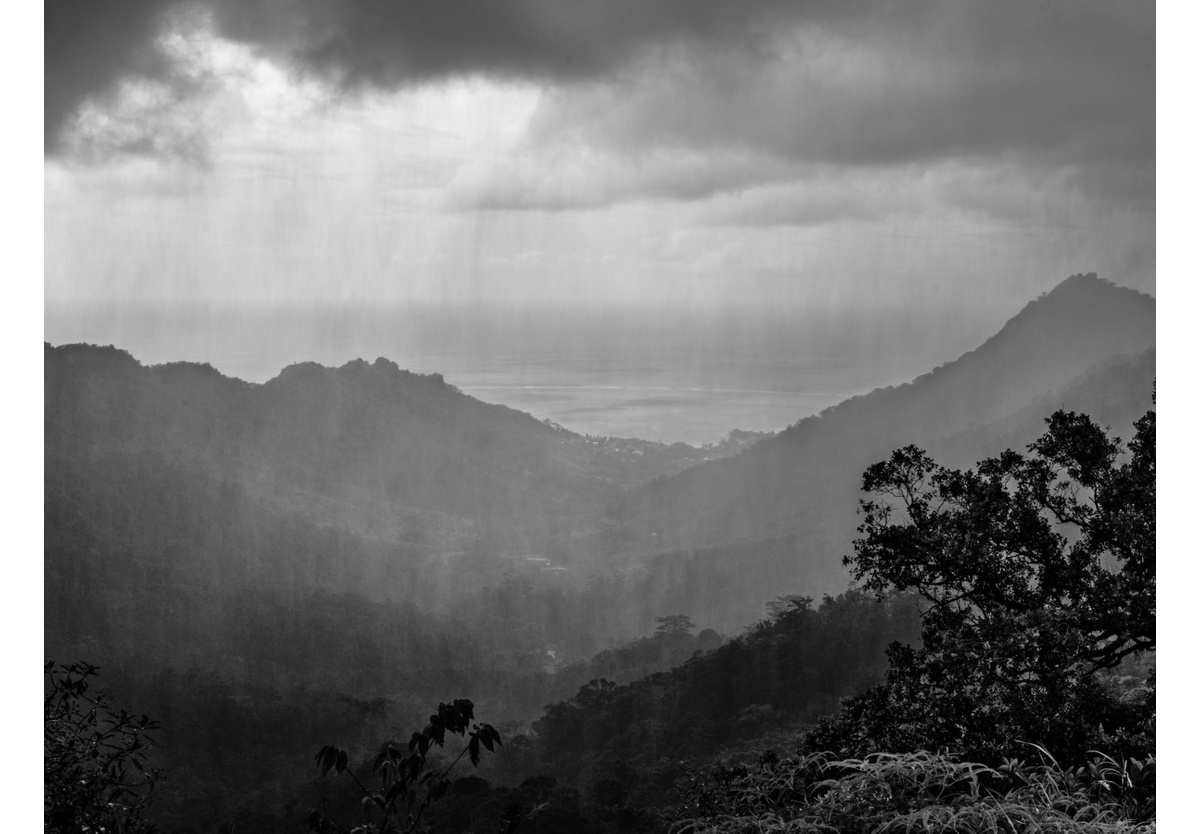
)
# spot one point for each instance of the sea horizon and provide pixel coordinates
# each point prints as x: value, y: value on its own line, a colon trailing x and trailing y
x: 654, y: 374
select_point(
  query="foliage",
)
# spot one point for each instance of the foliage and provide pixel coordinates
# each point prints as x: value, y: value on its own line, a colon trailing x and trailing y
x: 918, y: 792
x: 991, y: 543
x: 408, y: 786
x: 674, y: 624
x: 96, y: 774
x: 1039, y: 574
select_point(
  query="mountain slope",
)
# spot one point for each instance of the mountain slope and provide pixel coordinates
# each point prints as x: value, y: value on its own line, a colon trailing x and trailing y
x: 804, y: 483
x: 361, y: 428
x: 417, y: 478
x: 387, y: 452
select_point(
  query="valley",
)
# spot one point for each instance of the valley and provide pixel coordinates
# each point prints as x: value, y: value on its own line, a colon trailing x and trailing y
x: 266, y: 566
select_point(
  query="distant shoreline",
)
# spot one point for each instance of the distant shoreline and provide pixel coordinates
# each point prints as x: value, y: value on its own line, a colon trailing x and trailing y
x: 665, y: 377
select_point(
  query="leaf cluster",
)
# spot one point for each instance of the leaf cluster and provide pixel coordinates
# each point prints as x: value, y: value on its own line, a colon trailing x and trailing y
x: 97, y: 776
x: 409, y: 784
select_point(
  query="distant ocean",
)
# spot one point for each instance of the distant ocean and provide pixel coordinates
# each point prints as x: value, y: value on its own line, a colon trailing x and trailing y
x: 667, y: 376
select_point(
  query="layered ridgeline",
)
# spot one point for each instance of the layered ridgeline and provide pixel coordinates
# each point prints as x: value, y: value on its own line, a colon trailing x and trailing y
x: 265, y: 568
x: 269, y: 567
x: 181, y: 505
x: 783, y: 513
x: 368, y: 444
x: 367, y: 479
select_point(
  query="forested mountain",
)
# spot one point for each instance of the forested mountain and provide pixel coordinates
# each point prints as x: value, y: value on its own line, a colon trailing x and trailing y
x: 254, y: 563
x: 417, y: 482
x: 802, y: 486
x: 369, y: 445
x: 364, y: 479
x: 175, y: 482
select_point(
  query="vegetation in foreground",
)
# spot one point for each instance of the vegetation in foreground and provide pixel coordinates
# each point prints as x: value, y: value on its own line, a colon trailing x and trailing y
x: 1038, y: 572
x: 97, y: 776
x: 920, y: 791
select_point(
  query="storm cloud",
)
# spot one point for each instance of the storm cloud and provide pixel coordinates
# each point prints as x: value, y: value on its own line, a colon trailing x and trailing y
x: 1050, y: 87
x: 517, y: 149
x: 92, y: 45
x: 847, y: 82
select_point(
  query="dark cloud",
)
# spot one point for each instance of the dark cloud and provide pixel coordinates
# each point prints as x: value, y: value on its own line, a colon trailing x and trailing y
x: 953, y: 80
x: 391, y: 43
x: 91, y: 44
x: 872, y: 82
x: 1062, y: 91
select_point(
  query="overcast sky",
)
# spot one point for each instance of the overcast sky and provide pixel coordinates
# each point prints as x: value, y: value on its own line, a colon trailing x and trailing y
x: 768, y: 154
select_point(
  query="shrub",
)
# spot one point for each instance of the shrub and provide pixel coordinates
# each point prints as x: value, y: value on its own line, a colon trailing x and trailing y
x: 97, y: 778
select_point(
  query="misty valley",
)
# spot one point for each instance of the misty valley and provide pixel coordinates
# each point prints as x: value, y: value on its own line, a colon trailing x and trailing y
x: 928, y: 605
x: 541, y: 417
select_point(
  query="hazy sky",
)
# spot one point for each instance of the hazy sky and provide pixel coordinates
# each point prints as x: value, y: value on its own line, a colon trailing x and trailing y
x: 696, y: 152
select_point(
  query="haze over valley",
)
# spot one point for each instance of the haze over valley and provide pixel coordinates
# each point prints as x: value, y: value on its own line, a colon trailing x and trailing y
x: 587, y: 418
x: 660, y: 374
x: 198, y: 523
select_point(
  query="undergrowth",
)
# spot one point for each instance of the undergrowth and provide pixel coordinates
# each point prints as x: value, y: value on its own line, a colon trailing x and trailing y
x: 888, y: 793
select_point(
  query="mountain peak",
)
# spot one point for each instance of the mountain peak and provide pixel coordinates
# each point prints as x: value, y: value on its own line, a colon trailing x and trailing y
x: 1087, y: 285
x: 1054, y: 338
x: 1084, y: 315
x: 1081, y: 280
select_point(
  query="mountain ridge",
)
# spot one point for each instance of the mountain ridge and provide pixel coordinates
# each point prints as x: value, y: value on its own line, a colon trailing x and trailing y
x: 340, y: 442
x: 408, y: 459
x: 804, y: 482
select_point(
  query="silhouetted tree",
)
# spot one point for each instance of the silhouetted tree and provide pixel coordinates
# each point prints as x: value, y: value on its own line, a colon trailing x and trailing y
x: 1039, y: 572
x: 674, y: 624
